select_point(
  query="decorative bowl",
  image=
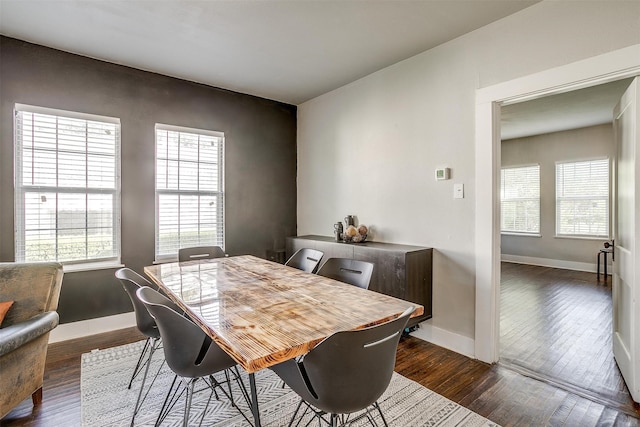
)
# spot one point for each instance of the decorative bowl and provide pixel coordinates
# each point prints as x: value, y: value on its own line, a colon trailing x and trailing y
x: 358, y: 238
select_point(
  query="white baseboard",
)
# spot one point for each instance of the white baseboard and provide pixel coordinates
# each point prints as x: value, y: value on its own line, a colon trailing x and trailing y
x: 443, y: 338
x: 556, y: 263
x: 83, y: 328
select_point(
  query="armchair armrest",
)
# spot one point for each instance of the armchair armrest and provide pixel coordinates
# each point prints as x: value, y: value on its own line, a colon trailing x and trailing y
x: 15, y: 336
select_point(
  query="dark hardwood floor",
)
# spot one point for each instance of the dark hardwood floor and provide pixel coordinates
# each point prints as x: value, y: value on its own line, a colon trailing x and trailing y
x: 502, y: 394
x: 556, y: 325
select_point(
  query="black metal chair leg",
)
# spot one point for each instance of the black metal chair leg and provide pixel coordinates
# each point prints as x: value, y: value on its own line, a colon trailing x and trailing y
x: 187, y: 404
x: 169, y: 401
x: 377, y: 406
x: 226, y: 375
x: 136, y: 370
x: 152, y: 348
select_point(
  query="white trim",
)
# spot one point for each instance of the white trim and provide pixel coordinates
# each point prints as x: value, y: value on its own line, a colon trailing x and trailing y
x: 91, y: 266
x: 608, y: 67
x: 556, y: 263
x: 66, y: 113
x: 487, y: 231
x: 172, y: 128
x: 443, y: 338
x: 520, y: 234
x: 84, y: 328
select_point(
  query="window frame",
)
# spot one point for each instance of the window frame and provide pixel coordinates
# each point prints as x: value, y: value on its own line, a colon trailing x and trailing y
x: 21, y: 189
x: 536, y: 233
x: 608, y: 201
x: 221, y: 196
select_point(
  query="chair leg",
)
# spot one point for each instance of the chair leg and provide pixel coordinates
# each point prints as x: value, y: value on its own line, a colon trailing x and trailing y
x: 226, y: 376
x: 243, y: 389
x: 377, y: 406
x: 187, y: 404
x: 295, y: 413
x: 36, y: 397
x: 137, y: 369
x: 170, y: 400
x: 229, y: 373
x: 152, y: 348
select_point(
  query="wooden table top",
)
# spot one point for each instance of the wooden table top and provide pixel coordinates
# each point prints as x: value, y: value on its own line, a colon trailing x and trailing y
x: 263, y: 313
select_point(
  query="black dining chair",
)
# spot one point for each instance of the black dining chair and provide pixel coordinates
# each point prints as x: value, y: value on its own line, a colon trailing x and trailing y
x: 200, y: 252
x: 346, y: 373
x: 131, y: 282
x: 305, y: 259
x: 191, y: 354
x: 354, y: 272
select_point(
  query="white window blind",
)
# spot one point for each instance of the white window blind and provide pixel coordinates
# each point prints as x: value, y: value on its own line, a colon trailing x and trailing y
x: 520, y: 199
x: 67, y: 195
x: 189, y: 189
x: 582, y: 198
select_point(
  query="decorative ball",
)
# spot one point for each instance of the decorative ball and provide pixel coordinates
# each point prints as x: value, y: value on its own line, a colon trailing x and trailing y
x: 351, y: 231
x: 363, y: 230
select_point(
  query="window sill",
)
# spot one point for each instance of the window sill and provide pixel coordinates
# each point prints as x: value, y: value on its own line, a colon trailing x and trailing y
x: 597, y: 238
x: 91, y: 266
x: 166, y: 260
x: 511, y: 233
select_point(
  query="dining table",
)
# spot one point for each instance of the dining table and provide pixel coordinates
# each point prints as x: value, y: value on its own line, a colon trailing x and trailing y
x: 263, y: 313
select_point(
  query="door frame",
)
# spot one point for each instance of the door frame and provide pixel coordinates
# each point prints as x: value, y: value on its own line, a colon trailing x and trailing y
x: 605, y: 68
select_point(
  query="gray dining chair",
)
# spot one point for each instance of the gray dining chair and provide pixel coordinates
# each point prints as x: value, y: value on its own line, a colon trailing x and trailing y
x: 346, y: 373
x: 200, y: 252
x: 354, y: 272
x: 305, y: 259
x: 191, y: 354
x: 131, y: 282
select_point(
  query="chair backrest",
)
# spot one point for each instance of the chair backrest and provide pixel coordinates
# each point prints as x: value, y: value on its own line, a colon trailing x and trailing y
x: 189, y: 352
x: 305, y: 259
x: 354, y: 272
x: 350, y: 370
x: 34, y: 288
x: 131, y: 282
x: 200, y: 252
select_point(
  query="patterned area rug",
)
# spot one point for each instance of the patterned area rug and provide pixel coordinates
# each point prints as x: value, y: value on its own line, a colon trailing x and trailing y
x: 106, y: 401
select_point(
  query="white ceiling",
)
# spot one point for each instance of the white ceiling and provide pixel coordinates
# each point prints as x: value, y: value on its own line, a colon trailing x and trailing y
x: 572, y: 110
x: 289, y: 51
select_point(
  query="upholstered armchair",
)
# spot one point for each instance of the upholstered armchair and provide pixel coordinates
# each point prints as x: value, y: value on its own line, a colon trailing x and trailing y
x: 34, y: 289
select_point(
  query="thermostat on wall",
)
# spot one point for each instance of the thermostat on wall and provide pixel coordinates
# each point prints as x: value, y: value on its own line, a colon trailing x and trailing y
x: 442, y: 174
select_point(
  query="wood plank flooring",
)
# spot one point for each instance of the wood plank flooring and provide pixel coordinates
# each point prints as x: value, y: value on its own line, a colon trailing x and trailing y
x: 502, y: 394
x: 556, y: 324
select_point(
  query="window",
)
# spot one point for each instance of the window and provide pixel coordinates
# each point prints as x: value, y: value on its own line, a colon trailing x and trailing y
x: 67, y: 195
x: 189, y: 189
x: 582, y: 198
x: 520, y: 200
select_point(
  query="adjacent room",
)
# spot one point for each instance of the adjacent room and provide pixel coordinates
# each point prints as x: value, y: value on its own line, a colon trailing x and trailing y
x: 338, y: 212
x: 556, y: 305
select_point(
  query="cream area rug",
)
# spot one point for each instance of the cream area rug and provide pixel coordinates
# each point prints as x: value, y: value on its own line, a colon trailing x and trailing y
x: 106, y: 401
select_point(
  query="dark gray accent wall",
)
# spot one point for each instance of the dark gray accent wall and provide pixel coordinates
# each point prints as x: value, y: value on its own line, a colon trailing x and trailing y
x: 260, y: 156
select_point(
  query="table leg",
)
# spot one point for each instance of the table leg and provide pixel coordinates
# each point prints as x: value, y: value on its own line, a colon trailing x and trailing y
x: 254, y: 400
x: 599, y: 256
x: 605, y: 266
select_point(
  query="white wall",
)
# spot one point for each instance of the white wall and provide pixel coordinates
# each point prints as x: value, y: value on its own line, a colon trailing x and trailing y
x: 370, y: 148
x: 545, y: 150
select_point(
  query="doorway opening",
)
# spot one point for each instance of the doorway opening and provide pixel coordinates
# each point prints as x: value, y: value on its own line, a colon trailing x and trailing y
x: 605, y: 68
x: 555, y: 313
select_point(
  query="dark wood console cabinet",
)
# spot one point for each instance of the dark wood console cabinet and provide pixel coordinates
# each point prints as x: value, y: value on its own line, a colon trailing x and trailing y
x: 401, y: 271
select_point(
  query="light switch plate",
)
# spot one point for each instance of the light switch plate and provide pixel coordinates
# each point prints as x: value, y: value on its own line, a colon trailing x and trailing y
x: 458, y: 191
